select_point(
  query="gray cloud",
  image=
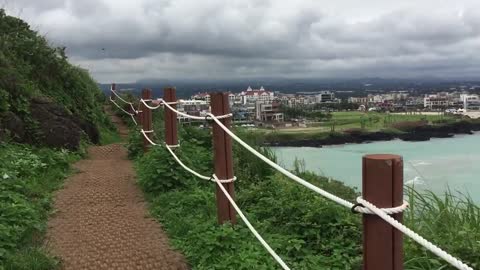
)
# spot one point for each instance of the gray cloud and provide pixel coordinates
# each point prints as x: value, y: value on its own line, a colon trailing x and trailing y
x: 217, y: 39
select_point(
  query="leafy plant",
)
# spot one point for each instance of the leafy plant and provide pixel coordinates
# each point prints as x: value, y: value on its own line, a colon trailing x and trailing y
x: 155, y: 176
x: 28, y: 176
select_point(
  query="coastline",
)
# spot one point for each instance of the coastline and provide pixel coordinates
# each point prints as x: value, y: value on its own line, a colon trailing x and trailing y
x: 421, y: 133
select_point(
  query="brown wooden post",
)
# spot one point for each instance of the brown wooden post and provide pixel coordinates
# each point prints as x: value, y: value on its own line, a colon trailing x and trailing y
x: 112, y: 95
x: 222, y: 145
x: 171, y: 136
x: 382, y: 185
x: 146, y: 117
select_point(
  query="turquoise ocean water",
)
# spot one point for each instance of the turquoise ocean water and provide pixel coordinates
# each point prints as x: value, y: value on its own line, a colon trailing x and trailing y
x: 433, y: 165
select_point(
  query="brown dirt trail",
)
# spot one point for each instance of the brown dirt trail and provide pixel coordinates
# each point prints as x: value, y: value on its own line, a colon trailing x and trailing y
x: 101, y: 220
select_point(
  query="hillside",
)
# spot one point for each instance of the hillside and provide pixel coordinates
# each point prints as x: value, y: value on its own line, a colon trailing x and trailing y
x: 49, y: 109
x: 43, y: 98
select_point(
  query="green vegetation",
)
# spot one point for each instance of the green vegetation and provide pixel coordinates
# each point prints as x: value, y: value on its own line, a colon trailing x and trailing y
x: 451, y: 221
x: 284, y: 213
x: 109, y: 136
x: 341, y: 123
x: 371, y: 121
x: 28, y: 176
x: 30, y: 68
x: 306, y: 230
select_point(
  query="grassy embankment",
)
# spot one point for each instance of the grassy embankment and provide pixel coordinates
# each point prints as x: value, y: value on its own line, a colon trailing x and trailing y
x: 30, y: 68
x: 308, y: 231
x: 344, y: 121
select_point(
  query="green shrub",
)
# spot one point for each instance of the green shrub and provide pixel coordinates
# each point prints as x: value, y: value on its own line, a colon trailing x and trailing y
x: 28, y: 176
x: 135, y: 143
x: 290, y: 218
x: 158, y: 172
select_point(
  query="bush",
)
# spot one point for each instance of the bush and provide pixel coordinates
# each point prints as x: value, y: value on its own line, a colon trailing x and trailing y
x: 286, y: 215
x: 28, y: 176
x: 158, y: 172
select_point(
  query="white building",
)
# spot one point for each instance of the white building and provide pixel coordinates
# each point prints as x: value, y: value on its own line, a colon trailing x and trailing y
x: 252, y: 96
x: 197, y: 107
x: 202, y: 96
x: 470, y: 102
x: 438, y: 101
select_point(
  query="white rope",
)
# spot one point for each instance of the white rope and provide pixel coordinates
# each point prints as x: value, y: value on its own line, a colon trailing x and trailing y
x: 192, y: 116
x: 287, y: 173
x: 380, y: 212
x: 223, y: 181
x: 185, y: 166
x: 282, y: 170
x: 147, y: 138
x: 173, y: 102
x: 173, y: 145
x: 214, y: 178
x: 249, y: 225
x: 422, y: 241
x: 119, y: 97
x: 118, y: 106
x: 148, y: 106
x: 388, y: 211
x: 127, y: 102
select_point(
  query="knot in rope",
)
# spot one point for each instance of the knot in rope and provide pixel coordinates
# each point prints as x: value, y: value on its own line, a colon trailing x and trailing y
x: 214, y: 178
x: 359, y: 207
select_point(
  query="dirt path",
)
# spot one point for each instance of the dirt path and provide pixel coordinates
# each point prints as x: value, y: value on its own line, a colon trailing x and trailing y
x: 101, y: 220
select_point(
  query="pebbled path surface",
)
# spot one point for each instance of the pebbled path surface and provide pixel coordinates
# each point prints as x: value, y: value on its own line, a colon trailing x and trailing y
x: 101, y: 220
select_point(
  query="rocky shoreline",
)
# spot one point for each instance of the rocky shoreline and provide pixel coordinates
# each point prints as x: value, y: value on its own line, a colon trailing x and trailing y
x: 422, y: 133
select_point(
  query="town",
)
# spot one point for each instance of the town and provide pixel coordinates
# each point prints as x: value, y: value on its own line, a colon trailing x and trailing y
x: 264, y: 107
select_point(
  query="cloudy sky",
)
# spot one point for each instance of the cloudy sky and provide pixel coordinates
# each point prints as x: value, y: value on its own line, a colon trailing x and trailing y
x: 129, y: 40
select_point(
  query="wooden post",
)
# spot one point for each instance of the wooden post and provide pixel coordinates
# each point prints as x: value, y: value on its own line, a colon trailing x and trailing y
x: 146, y: 117
x: 171, y: 136
x: 382, y: 185
x: 112, y: 95
x: 222, y: 144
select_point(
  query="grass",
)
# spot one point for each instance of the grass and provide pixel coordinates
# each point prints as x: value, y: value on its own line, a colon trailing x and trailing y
x: 31, y: 258
x: 371, y: 121
x: 306, y: 230
x: 451, y: 221
x: 109, y: 136
x: 28, y: 177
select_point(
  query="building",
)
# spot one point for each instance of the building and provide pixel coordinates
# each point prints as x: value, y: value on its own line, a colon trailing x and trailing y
x: 269, y: 112
x: 358, y: 100
x: 438, y: 101
x: 470, y: 102
x: 192, y: 107
x: 254, y: 95
x: 325, y: 97
x: 202, y: 96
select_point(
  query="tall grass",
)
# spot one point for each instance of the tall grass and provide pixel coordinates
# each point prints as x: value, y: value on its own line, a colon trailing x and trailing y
x: 450, y: 220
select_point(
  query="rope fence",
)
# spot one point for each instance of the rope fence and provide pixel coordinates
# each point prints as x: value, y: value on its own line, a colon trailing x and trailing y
x: 377, y: 168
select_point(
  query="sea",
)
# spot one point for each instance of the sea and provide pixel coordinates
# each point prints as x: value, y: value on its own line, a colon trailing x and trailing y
x: 437, y: 165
